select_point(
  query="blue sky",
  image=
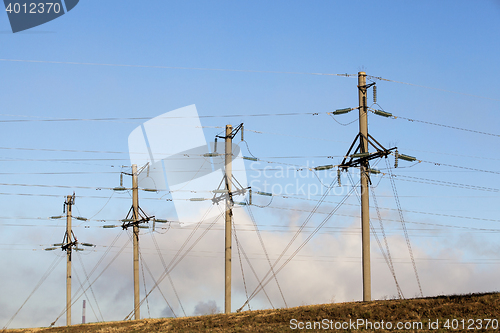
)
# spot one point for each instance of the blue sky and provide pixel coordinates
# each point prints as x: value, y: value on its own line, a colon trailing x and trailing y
x: 441, y: 60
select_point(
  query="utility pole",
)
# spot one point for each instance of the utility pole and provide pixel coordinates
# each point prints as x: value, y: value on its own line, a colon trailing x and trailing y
x: 135, y: 212
x: 229, y: 215
x: 365, y: 208
x: 358, y: 156
x: 227, y: 195
x: 69, y: 246
x: 134, y: 219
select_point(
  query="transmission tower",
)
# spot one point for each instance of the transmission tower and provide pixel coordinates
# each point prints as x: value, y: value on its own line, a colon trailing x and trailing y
x: 69, y: 243
x: 135, y: 217
x: 359, y: 156
x: 227, y: 194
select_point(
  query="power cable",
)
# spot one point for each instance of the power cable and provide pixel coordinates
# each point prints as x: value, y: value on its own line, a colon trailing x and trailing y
x: 173, y: 67
x: 91, y: 290
x: 259, y: 281
x: 40, y: 282
x: 85, y: 293
x: 389, y: 257
x: 144, y: 282
x: 444, y: 183
x: 371, y: 77
x: 173, y: 264
x: 241, y: 264
x: 460, y: 167
x: 250, y: 213
x: 404, y: 226
x: 159, y: 289
x: 386, y: 254
x: 257, y: 290
x: 169, y: 277
x: 90, y: 284
x: 338, y: 122
x: 447, y: 126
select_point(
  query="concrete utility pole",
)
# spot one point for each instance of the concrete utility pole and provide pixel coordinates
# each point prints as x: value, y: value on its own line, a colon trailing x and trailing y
x: 229, y: 214
x: 69, y: 241
x: 135, y: 212
x: 359, y: 156
x: 365, y: 208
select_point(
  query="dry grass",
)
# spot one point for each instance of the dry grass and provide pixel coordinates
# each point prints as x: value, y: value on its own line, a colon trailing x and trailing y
x: 472, y: 306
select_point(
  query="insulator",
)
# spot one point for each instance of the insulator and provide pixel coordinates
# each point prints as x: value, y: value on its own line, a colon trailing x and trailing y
x: 210, y: 154
x: 150, y: 189
x: 396, y: 159
x: 80, y: 218
x: 360, y: 155
x: 250, y: 196
x: 148, y: 171
x: 382, y: 113
x: 374, y: 171
x: 407, y: 158
x: 87, y: 244
x: 127, y: 220
x: 161, y: 221
x: 56, y: 217
x: 50, y: 248
x: 250, y: 158
x: 324, y: 167
x: 241, y: 203
x: 338, y: 177
x: 341, y: 111
x: 264, y: 193
x: 109, y: 226
x: 197, y: 199
x: 220, y: 191
x: 143, y: 226
x: 121, y: 188
x: 78, y: 249
x: 59, y: 244
x: 215, y: 145
x: 242, y: 130
x: 375, y: 94
x: 121, y: 179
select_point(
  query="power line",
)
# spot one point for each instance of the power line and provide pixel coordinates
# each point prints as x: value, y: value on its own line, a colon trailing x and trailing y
x: 426, y: 87
x: 40, y: 282
x: 460, y: 167
x: 371, y: 77
x: 65, y: 150
x: 447, y: 126
x: 175, y: 67
x: 148, y: 118
x: 443, y: 183
x: 401, y: 217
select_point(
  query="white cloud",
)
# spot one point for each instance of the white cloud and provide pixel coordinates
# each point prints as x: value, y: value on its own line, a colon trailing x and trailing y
x: 327, y: 269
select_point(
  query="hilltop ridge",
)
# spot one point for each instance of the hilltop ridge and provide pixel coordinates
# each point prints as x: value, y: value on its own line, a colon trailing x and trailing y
x: 439, y: 314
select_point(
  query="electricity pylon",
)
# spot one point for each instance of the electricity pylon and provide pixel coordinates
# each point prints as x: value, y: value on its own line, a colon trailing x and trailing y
x: 359, y: 156
x: 69, y: 243
x: 227, y: 193
x: 134, y: 218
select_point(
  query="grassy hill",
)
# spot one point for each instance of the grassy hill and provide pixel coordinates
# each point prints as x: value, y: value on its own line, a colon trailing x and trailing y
x: 457, y: 313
